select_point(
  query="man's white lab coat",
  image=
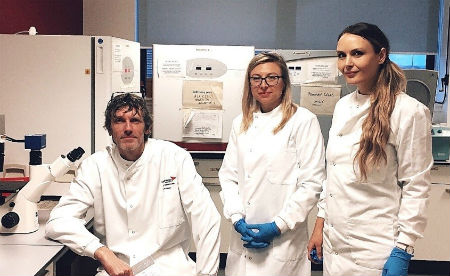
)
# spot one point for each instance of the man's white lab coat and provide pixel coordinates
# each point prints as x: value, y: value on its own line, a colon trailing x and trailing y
x: 141, y: 208
x: 267, y: 177
x: 364, y: 219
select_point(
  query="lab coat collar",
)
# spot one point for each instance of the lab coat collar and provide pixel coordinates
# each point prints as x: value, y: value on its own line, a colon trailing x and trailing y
x: 122, y: 163
x: 360, y: 99
x: 274, y: 112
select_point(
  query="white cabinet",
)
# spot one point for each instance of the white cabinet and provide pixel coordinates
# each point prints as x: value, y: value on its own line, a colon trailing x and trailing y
x: 435, y: 246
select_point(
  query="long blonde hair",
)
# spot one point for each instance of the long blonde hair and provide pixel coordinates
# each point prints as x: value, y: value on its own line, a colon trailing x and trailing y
x: 390, y: 82
x: 250, y: 105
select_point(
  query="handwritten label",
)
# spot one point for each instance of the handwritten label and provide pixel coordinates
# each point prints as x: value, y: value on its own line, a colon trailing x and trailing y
x: 320, y: 99
x: 202, y: 94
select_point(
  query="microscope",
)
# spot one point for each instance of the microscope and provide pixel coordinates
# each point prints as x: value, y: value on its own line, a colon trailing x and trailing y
x: 19, y: 213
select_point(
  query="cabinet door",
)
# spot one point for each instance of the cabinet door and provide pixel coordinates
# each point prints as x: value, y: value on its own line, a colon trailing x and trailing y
x: 435, y: 246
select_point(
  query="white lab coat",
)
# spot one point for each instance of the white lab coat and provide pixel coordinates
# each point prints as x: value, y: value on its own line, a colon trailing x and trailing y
x: 364, y: 219
x: 141, y: 208
x: 267, y: 177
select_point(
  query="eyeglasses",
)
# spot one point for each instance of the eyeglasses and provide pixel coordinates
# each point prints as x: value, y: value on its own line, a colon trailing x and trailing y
x: 270, y: 80
x: 140, y: 94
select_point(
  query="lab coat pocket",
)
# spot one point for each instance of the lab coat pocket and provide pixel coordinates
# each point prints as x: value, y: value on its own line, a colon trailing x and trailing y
x: 291, y: 245
x: 283, y: 167
x: 370, y: 242
x: 171, y: 211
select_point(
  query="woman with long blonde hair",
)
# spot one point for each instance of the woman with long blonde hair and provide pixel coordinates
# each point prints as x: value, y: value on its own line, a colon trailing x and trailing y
x: 372, y: 209
x: 271, y: 175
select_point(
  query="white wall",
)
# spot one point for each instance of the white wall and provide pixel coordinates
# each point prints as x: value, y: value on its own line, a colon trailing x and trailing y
x: 110, y: 18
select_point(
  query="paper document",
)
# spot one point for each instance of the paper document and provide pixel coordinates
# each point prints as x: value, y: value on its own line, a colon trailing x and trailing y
x: 171, y: 68
x: 202, y: 123
x: 320, y: 99
x: 322, y: 70
x: 202, y: 94
x: 145, y: 267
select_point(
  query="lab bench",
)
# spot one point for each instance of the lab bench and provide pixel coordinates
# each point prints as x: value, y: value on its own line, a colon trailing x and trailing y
x: 32, y: 254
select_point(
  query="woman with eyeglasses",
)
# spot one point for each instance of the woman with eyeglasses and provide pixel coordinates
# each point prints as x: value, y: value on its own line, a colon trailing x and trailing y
x: 271, y: 175
x: 378, y: 165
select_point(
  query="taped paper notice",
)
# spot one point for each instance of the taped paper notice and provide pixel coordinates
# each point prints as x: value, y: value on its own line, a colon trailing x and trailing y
x: 320, y: 99
x: 202, y: 123
x: 202, y: 94
x: 171, y: 68
x: 322, y: 71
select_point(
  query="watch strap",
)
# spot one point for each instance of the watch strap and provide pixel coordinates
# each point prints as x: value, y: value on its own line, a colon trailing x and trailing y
x: 409, y: 249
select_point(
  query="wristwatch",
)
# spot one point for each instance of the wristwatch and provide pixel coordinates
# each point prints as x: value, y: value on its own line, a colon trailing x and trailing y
x: 409, y: 249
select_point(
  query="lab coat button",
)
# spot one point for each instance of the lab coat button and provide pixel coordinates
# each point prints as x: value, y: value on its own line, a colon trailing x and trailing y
x: 250, y: 258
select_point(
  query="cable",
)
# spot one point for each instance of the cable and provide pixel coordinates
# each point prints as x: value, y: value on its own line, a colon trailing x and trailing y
x: 7, y: 138
x: 444, y: 80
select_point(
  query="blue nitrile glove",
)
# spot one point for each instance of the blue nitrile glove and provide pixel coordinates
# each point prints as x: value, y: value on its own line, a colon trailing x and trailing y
x: 397, y: 263
x: 254, y: 244
x: 241, y: 227
x: 265, y: 231
x: 314, y: 257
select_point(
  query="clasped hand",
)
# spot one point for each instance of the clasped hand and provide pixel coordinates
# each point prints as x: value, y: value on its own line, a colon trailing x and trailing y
x: 397, y: 264
x: 256, y: 235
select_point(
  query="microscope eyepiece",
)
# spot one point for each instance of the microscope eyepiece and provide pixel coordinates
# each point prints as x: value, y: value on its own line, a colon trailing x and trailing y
x: 75, y: 154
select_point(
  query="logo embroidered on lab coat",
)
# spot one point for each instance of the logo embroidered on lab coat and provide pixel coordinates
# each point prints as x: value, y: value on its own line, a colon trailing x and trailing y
x: 168, y: 183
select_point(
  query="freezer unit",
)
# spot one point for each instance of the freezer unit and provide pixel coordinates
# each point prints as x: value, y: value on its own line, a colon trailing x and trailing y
x: 60, y: 86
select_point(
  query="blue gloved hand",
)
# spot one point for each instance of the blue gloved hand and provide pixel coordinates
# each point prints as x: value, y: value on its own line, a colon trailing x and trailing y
x: 397, y: 264
x: 265, y: 231
x: 255, y: 244
x: 314, y: 257
x: 241, y: 227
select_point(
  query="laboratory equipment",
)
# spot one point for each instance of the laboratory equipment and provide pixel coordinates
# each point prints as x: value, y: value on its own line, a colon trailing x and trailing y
x: 60, y: 85
x: 19, y: 213
x: 313, y: 66
x: 35, y: 143
x: 421, y: 85
x: 440, y: 138
x: 197, y: 91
